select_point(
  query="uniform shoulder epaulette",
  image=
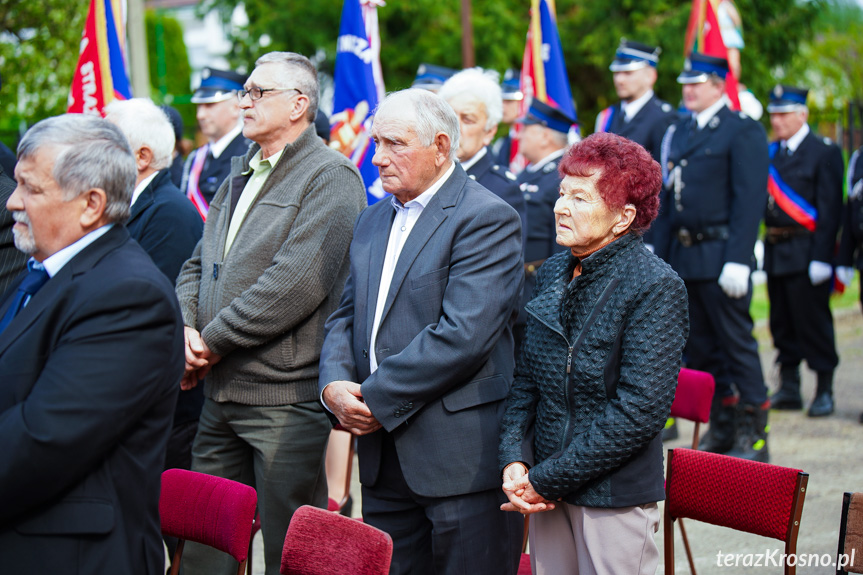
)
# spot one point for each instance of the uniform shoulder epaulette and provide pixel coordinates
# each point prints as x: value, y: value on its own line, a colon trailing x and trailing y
x: 827, y: 141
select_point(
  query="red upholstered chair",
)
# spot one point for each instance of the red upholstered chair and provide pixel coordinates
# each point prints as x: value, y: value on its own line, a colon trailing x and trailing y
x: 850, y: 558
x: 692, y: 402
x: 692, y: 399
x: 320, y: 542
x: 206, y: 509
x: 747, y: 496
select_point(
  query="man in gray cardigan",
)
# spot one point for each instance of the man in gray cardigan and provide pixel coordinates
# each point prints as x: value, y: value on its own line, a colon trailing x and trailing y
x: 255, y: 294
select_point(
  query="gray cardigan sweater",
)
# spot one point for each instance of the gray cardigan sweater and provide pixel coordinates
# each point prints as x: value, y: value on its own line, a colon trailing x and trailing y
x: 262, y: 307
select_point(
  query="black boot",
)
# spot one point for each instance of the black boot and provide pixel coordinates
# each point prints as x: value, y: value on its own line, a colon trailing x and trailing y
x: 750, y: 441
x: 822, y: 405
x: 788, y: 396
x: 720, y: 435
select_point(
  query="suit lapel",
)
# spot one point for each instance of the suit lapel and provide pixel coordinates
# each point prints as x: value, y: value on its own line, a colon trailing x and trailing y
x: 431, y: 218
x: 697, y: 137
x: 381, y: 226
x: 50, y: 293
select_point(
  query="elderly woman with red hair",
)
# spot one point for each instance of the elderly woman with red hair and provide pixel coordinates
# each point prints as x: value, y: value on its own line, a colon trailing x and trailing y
x: 581, y: 449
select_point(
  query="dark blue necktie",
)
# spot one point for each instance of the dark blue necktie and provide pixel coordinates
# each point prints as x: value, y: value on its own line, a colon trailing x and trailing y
x: 32, y: 282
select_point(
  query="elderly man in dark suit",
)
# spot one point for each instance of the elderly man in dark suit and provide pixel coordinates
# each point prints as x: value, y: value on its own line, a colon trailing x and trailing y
x: 91, y: 350
x: 715, y: 166
x: 474, y: 95
x: 167, y: 226
x: 418, y: 358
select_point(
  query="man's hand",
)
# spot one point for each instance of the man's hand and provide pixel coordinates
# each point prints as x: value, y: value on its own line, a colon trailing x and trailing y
x: 199, y: 358
x: 345, y: 400
x: 521, y: 494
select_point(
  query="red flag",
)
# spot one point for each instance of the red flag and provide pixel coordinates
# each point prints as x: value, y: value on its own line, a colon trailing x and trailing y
x: 101, y: 73
x: 703, y: 35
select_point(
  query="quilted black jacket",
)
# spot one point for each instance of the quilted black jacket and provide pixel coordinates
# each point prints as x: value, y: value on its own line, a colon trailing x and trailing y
x: 596, y: 377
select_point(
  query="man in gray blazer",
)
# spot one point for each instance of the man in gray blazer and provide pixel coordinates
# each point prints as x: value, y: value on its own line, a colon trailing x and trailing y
x: 418, y: 357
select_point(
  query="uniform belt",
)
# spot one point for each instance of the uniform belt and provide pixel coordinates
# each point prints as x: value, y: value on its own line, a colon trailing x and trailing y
x: 530, y: 268
x: 775, y: 235
x: 689, y: 237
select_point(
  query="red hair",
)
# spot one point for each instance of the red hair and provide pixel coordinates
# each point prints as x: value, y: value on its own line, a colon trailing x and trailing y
x: 628, y: 174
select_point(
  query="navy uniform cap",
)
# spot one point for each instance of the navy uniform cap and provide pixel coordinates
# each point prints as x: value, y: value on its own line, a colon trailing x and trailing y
x: 699, y: 68
x: 634, y: 56
x: 431, y: 77
x: 787, y: 99
x: 510, y: 88
x: 217, y: 86
x: 545, y: 115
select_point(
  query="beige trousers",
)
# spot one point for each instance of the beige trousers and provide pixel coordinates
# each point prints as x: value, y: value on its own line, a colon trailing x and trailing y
x: 576, y: 540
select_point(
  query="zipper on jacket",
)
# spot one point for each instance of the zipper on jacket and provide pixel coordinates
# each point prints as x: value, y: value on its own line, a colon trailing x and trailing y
x: 216, y: 267
x: 569, y: 361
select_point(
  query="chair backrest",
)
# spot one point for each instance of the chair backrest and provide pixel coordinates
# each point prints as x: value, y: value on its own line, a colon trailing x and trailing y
x: 850, y: 558
x: 748, y: 496
x: 693, y: 396
x: 206, y: 509
x: 320, y: 542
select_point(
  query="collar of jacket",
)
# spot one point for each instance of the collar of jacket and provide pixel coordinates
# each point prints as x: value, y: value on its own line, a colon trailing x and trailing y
x: 305, y: 142
x: 546, y: 304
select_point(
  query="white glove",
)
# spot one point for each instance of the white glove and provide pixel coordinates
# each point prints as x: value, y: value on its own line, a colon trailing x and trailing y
x: 819, y: 272
x: 734, y: 279
x: 845, y: 274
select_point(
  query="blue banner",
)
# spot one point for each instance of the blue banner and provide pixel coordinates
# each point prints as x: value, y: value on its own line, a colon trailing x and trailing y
x: 356, y: 94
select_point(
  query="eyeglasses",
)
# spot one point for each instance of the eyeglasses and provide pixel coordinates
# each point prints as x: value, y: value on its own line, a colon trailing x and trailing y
x: 256, y: 93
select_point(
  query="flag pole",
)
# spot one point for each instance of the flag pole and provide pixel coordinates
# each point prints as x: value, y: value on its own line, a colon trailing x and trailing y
x: 137, y: 57
x: 468, y: 59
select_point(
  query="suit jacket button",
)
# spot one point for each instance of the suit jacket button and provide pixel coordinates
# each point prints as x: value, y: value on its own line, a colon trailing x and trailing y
x: 365, y: 353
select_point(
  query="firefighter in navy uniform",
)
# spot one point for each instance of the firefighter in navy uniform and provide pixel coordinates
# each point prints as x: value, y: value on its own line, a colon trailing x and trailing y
x: 542, y: 141
x: 715, y: 167
x: 802, y: 222
x: 475, y: 96
x: 639, y: 116
x: 219, y: 120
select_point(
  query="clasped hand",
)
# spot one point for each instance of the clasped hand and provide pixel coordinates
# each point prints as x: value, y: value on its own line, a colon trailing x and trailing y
x: 199, y: 359
x: 521, y: 494
x: 345, y: 400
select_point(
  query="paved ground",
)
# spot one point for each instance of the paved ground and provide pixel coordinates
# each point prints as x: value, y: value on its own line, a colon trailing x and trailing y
x: 828, y: 449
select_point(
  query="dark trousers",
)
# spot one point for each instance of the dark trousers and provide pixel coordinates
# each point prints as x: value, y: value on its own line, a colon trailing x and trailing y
x: 721, y: 342
x: 801, y: 322
x: 464, y: 534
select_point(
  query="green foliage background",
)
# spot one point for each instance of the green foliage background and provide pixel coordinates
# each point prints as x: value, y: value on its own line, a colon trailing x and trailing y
x: 418, y: 31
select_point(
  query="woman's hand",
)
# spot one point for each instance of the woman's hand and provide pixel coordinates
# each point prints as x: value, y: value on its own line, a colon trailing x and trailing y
x: 521, y: 494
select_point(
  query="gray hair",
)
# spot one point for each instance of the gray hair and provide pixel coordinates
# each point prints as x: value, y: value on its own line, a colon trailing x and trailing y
x: 480, y: 84
x: 301, y: 74
x: 91, y: 152
x: 144, y: 124
x: 431, y: 115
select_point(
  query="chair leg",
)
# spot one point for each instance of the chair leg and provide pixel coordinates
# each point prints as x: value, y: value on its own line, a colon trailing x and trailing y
x: 178, y: 554
x: 686, y: 546
x: 242, y: 567
x: 668, y: 543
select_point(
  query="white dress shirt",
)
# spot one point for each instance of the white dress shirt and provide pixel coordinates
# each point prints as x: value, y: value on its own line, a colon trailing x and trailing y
x: 406, y: 217
x: 630, y: 109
